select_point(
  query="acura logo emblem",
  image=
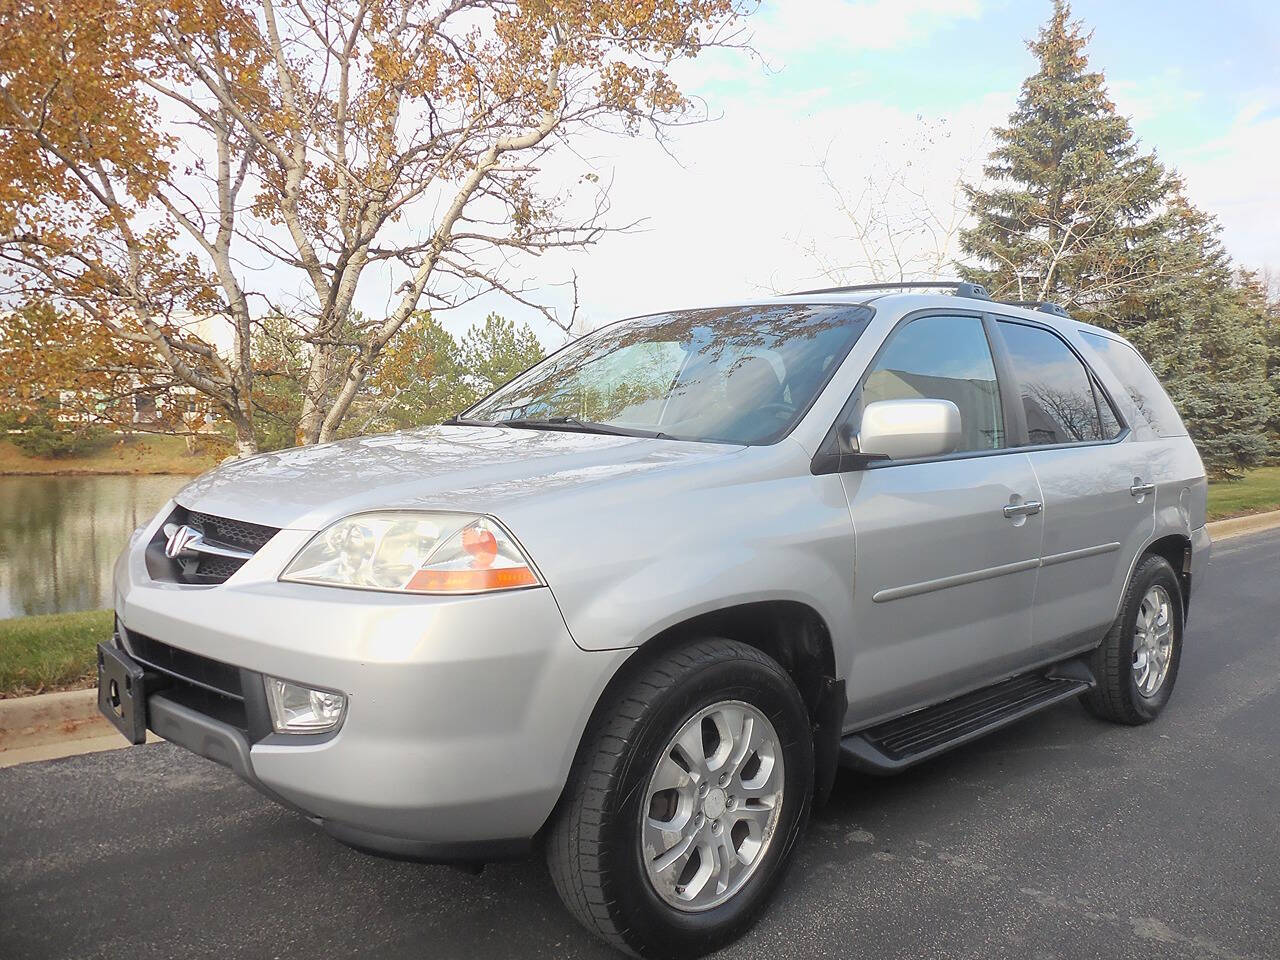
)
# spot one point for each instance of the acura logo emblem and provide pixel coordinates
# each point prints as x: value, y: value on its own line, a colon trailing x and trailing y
x: 180, y: 540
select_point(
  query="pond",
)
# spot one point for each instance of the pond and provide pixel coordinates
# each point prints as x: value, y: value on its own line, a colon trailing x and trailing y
x: 59, y: 537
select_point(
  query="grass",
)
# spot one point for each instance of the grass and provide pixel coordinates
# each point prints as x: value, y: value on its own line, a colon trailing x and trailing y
x: 137, y: 455
x: 55, y: 651
x: 1257, y: 492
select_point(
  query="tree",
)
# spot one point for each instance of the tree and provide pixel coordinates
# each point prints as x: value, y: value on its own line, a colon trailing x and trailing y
x: 158, y: 156
x: 52, y: 362
x: 1203, y: 329
x: 421, y: 380
x: 428, y: 377
x: 1072, y: 212
x: 1267, y: 287
x: 899, y: 228
x: 1066, y: 213
x: 496, y: 351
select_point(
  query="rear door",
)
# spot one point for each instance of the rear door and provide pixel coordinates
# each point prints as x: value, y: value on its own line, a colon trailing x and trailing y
x: 947, y: 548
x: 1096, y: 485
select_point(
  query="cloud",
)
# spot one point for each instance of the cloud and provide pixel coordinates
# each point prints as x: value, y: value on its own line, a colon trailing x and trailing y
x: 723, y: 220
x: 794, y: 28
x: 1234, y: 177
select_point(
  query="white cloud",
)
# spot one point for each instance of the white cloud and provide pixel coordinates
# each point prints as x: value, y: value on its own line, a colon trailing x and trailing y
x: 801, y: 28
x: 723, y: 217
x: 1234, y: 177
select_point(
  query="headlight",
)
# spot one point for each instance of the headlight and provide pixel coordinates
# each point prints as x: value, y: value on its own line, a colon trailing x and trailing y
x: 298, y: 709
x: 414, y: 553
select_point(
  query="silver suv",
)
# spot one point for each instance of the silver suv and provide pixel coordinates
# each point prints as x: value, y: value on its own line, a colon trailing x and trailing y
x: 633, y: 609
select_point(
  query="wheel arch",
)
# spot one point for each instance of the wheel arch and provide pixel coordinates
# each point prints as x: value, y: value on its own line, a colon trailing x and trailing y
x: 791, y: 632
x: 1176, y: 549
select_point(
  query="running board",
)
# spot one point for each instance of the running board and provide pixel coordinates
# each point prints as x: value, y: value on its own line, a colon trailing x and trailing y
x: 907, y: 740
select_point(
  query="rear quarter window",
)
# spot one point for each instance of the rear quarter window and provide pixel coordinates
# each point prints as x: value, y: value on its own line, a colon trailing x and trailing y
x: 1149, y: 399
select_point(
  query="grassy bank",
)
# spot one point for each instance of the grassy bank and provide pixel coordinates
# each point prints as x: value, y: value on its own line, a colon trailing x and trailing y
x: 1258, y: 492
x: 51, y: 652
x: 137, y: 455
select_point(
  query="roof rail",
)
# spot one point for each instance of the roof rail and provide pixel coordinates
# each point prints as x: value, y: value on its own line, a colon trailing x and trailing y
x: 975, y: 291
x: 1044, y: 306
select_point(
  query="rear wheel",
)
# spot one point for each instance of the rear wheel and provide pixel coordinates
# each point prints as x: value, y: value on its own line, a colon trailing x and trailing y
x: 1137, y: 664
x: 685, y: 802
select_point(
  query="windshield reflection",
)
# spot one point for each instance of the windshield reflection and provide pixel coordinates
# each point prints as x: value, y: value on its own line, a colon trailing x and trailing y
x: 730, y: 374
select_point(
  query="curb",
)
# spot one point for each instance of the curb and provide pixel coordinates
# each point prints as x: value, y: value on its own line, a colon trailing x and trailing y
x: 1238, y: 526
x: 49, y: 717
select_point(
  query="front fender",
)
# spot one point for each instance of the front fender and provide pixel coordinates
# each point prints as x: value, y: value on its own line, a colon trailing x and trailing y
x: 669, y: 591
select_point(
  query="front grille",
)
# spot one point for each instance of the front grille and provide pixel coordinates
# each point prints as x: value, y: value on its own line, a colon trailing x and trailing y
x: 236, y: 533
x: 205, y: 568
x: 208, y: 686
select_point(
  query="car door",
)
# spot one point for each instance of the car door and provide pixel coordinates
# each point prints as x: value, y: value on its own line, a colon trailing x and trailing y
x: 946, y: 550
x: 1099, y: 503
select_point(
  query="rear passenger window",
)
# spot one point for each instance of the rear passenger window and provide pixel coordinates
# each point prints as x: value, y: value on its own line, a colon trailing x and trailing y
x: 1110, y: 421
x: 1152, y: 403
x: 1057, y: 392
x: 943, y: 358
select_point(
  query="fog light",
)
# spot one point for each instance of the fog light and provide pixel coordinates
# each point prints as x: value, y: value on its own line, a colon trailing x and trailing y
x: 298, y: 709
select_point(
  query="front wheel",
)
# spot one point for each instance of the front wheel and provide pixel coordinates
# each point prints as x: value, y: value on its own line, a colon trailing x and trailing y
x: 685, y: 802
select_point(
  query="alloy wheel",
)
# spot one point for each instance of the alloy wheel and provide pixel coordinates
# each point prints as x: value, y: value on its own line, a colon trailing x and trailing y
x: 712, y: 806
x: 1153, y: 641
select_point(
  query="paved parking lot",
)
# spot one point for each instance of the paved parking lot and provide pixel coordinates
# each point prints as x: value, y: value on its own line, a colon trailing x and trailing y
x: 1060, y: 838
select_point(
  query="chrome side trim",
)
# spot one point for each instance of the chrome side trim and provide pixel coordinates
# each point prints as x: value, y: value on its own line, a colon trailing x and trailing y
x: 959, y: 579
x: 1080, y: 554
x: 988, y: 573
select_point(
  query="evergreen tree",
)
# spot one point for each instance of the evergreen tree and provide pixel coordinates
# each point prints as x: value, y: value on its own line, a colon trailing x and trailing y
x: 1066, y: 211
x: 1204, y: 331
x: 1267, y: 290
x: 421, y: 381
x: 497, y: 350
x: 1073, y: 212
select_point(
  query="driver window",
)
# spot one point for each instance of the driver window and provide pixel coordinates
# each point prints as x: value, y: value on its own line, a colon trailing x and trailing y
x: 943, y: 358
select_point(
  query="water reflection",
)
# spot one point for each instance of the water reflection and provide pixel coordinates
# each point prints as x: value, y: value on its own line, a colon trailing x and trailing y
x: 59, y: 537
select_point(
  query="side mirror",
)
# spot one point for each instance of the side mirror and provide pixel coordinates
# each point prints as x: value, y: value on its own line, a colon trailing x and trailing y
x: 909, y: 429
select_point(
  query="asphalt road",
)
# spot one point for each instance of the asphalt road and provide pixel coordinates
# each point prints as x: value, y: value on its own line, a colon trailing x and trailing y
x: 1063, y: 837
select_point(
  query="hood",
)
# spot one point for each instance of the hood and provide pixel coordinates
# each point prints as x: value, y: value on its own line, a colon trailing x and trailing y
x: 477, y: 469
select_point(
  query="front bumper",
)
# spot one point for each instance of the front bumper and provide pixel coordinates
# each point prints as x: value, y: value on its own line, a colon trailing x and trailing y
x: 463, y: 717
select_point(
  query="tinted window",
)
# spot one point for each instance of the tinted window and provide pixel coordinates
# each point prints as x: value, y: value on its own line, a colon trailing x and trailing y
x: 1057, y: 393
x: 943, y: 358
x: 732, y: 374
x: 1152, y: 403
x: 1110, y: 421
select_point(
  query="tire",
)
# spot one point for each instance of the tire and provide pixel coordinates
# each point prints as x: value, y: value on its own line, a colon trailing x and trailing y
x: 594, y: 846
x: 1119, y: 695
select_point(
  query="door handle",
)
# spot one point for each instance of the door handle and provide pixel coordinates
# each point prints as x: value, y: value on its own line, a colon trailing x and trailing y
x: 1027, y: 508
x: 1140, y: 489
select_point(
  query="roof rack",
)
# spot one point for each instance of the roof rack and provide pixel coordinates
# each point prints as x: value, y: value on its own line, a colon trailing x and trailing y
x: 1044, y: 306
x: 975, y: 291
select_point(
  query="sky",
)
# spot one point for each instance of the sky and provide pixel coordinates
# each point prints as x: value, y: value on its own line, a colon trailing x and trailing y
x: 874, y: 89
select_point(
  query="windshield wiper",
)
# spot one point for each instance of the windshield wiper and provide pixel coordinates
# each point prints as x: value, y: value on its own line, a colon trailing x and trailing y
x: 581, y: 426
x: 573, y: 424
x: 456, y: 421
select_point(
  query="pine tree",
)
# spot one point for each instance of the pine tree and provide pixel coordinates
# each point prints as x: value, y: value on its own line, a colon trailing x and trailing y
x: 1065, y: 214
x: 1073, y: 212
x: 1204, y: 331
x: 495, y: 351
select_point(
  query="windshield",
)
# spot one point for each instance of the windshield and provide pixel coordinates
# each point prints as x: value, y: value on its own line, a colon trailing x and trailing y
x: 730, y: 374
